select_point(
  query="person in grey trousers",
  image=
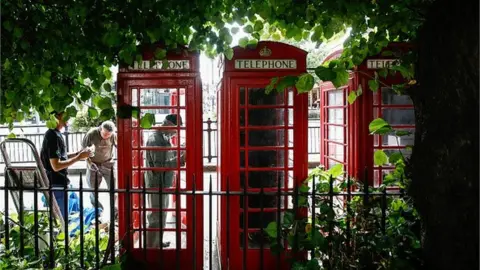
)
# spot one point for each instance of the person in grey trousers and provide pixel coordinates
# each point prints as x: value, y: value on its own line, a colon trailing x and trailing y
x: 101, y: 139
x: 160, y: 179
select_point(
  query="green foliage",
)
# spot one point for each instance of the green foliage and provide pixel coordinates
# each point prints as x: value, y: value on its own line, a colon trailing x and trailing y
x: 58, y: 54
x: 11, y: 259
x: 379, y: 126
x: 85, y: 120
x: 362, y: 244
x: 380, y: 158
x: 305, y: 83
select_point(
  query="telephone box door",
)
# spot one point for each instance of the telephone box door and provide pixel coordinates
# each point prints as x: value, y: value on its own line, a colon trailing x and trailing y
x: 160, y: 165
x: 263, y: 158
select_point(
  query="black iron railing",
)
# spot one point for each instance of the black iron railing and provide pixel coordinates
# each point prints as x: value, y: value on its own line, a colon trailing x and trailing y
x: 36, y: 239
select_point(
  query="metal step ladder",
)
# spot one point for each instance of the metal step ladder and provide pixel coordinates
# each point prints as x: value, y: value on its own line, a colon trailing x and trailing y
x: 21, y: 178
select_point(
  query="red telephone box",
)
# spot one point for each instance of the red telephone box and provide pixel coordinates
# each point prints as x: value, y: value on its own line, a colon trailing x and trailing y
x: 344, y: 127
x: 161, y: 91
x: 263, y: 144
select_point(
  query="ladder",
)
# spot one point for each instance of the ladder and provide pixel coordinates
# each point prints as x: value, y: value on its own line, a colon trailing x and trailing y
x: 19, y: 177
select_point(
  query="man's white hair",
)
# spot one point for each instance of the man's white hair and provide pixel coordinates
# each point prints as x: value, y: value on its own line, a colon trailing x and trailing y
x: 108, y: 126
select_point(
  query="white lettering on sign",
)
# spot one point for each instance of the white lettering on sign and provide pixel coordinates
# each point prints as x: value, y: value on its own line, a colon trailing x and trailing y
x: 266, y: 64
x: 158, y: 65
x: 381, y: 63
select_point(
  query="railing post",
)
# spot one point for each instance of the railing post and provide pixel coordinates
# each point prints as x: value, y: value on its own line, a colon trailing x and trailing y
x: 66, y: 138
x: 209, y: 139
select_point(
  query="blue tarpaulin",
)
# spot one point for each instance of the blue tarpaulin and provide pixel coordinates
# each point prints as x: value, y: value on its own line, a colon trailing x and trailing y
x: 74, y: 214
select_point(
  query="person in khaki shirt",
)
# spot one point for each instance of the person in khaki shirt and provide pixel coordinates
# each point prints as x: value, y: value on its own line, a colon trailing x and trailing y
x: 101, y: 140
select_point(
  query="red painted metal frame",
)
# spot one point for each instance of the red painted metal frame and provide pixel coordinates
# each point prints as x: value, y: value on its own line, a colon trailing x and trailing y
x: 360, y: 143
x: 229, y: 170
x: 190, y: 80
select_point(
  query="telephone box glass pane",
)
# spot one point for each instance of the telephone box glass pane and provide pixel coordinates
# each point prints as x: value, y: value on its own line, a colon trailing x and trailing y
x: 266, y: 137
x: 159, y: 116
x: 405, y: 152
x: 157, y: 97
x: 181, y: 97
x: 336, y: 151
x: 158, y: 138
x: 290, y: 138
x: 392, y: 140
x: 266, y: 117
x: 291, y: 118
x: 241, y: 95
x: 160, y: 158
x: 266, y: 158
x: 291, y: 95
x: 399, y: 116
x: 335, y: 116
x: 336, y: 134
x: 335, y: 98
x: 389, y: 97
x: 265, y: 179
x: 257, y: 96
x: 134, y: 97
x: 241, y: 116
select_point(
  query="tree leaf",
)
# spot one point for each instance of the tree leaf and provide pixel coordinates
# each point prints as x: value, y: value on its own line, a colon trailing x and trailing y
x: 243, y: 42
x: 258, y: 26
x: 325, y: 74
x: 383, y: 72
x: 359, y: 90
x: 107, y: 87
x: 107, y: 114
x: 305, y: 83
x: 104, y: 103
x: 11, y: 136
x: 352, y: 97
x: 287, y: 81
x: 92, y: 112
x: 336, y: 170
x: 234, y: 30
x: 394, y: 157
x: 160, y: 53
x: 147, y: 121
x: 341, y: 78
x: 373, y: 85
x: 51, y: 124
x: 271, y: 229
x: 17, y: 32
x: 288, y: 219
x: 401, y: 133
x: 229, y: 53
x: 380, y: 158
x: 71, y: 111
x: 379, y: 126
x: 248, y: 29
x: 269, y: 88
x: 252, y: 44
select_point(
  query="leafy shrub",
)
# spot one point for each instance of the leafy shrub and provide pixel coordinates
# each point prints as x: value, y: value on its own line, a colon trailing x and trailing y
x: 350, y: 234
x: 12, y: 259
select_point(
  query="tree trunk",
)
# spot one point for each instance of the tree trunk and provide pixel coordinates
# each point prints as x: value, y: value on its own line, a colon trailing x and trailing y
x: 444, y: 166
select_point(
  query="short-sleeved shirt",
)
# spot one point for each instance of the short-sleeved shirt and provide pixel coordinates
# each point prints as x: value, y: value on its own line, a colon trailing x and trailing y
x: 103, y: 148
x: 53, y: 146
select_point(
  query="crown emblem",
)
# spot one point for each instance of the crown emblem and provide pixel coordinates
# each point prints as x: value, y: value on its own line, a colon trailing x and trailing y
x: 265, y: 52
